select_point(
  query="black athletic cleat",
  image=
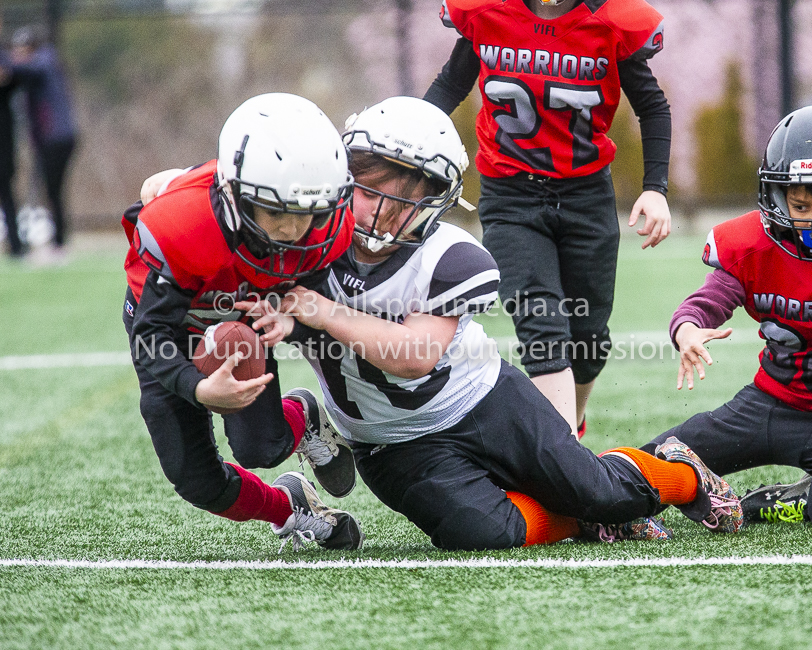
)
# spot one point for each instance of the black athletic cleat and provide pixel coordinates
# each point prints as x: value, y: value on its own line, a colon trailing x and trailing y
x: 779, y: 502
x: 325, y: 448
x: 313, y: 520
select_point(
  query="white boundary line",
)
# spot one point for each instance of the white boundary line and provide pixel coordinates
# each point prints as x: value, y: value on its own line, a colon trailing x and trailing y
x: 473, y: 563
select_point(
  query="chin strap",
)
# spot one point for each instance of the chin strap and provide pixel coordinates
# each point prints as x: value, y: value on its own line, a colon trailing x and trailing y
x: 464, y: 204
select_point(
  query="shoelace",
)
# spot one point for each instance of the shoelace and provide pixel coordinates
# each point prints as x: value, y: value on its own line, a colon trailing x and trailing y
x: 307, y: 527
x: 719, y: 506
x: 318, y: 451
x: 605, y: 533
x: 297, y: 539
x: 790, y: 512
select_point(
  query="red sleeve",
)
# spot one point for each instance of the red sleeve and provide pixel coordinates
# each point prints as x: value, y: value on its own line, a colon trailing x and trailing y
x: 177, y: 234
x: 457, y: 14
x: 638, y: 25
x: 733, y: 243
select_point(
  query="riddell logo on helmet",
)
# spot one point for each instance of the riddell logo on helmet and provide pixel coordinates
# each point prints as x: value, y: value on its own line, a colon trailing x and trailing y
x: 801, y: 166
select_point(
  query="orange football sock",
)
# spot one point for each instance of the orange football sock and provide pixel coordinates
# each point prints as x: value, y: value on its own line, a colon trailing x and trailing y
x: 543, y: 527
x: 676, y: 482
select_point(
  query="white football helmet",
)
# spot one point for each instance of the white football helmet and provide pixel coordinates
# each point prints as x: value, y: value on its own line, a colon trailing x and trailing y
x: 281, y: 152
x: 416, y: 134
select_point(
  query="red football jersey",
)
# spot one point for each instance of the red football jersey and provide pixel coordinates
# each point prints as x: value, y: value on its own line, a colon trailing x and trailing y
x: 179, y: 236
x: 779, y: 296
x: 550, y: 88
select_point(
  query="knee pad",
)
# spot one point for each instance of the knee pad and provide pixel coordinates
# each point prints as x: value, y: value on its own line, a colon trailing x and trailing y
x: 589, y: 352
x: 538, y: 367
x: 228, y: 496
x: 253, y: 458
x: 204, y: 491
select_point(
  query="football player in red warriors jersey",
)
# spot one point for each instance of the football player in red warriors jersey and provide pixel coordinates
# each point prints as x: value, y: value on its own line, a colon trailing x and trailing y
x: 762, y: 261
x: 272, y: 208
x: 550, y: 75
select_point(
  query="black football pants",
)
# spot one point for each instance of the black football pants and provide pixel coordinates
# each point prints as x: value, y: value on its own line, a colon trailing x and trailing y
x: 556, y: 243
x: 452, y: 484
x: 183, y: 438
x: 53, y: 160
x: 751, y: 430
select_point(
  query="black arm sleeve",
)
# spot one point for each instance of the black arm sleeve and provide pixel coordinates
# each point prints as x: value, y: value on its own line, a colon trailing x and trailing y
x: 652, y: 110
x: 316, y: 281
x: 304, y: 335
x: 157, y: 340
x: 456, y: 79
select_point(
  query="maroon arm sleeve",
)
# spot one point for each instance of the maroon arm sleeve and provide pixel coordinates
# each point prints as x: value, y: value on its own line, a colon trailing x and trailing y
x: 710, y: 305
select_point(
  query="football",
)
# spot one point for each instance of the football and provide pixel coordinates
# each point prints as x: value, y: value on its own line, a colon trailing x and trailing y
x: 221, y: 341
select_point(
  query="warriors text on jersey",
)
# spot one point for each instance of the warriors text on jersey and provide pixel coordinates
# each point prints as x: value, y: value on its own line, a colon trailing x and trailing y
x: 182, y: 236
x: 550, y: 88
x: 779, y: 296
x: 451, y: 274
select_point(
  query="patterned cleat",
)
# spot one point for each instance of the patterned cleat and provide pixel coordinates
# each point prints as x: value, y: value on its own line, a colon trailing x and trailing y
x: 716, y: 505
x: 645, y: 529
x: 313, y: 520
x: 775, y: 503
x: 325, y: 448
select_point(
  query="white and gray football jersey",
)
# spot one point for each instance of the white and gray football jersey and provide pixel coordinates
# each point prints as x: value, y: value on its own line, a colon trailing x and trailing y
x: 451, y: 274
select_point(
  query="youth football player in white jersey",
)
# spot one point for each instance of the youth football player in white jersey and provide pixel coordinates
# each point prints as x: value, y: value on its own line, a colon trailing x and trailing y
x: 444, y: 431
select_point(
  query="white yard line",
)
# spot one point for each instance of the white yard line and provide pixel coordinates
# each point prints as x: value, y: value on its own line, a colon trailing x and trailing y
x: 75, y: 360
x: 473, y: 563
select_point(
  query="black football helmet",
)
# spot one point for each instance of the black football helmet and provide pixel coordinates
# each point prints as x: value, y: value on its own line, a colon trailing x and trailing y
x: 787, y: 161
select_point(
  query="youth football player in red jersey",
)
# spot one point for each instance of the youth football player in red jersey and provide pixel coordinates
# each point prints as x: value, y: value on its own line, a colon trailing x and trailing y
x: 761, y: 261
x: 550, y: 74
x: 271, y: 209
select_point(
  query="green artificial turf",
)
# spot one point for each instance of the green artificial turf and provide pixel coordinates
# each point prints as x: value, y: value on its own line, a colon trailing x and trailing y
x: 79, y: 481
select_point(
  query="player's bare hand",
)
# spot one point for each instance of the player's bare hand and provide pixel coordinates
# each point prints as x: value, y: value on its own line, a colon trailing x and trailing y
x: 309, y: 307
x: 151, y: 186
x: 692, y: 352
x: 274, y: 325
x: 654, y: 207
x: 221, y: 391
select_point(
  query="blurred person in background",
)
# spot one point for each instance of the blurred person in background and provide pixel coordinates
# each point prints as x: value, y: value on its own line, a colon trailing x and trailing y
x: 8, y: 83
x: 50, y: 119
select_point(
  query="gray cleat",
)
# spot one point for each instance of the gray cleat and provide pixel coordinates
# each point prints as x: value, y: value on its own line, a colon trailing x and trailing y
x: 325, y: 448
